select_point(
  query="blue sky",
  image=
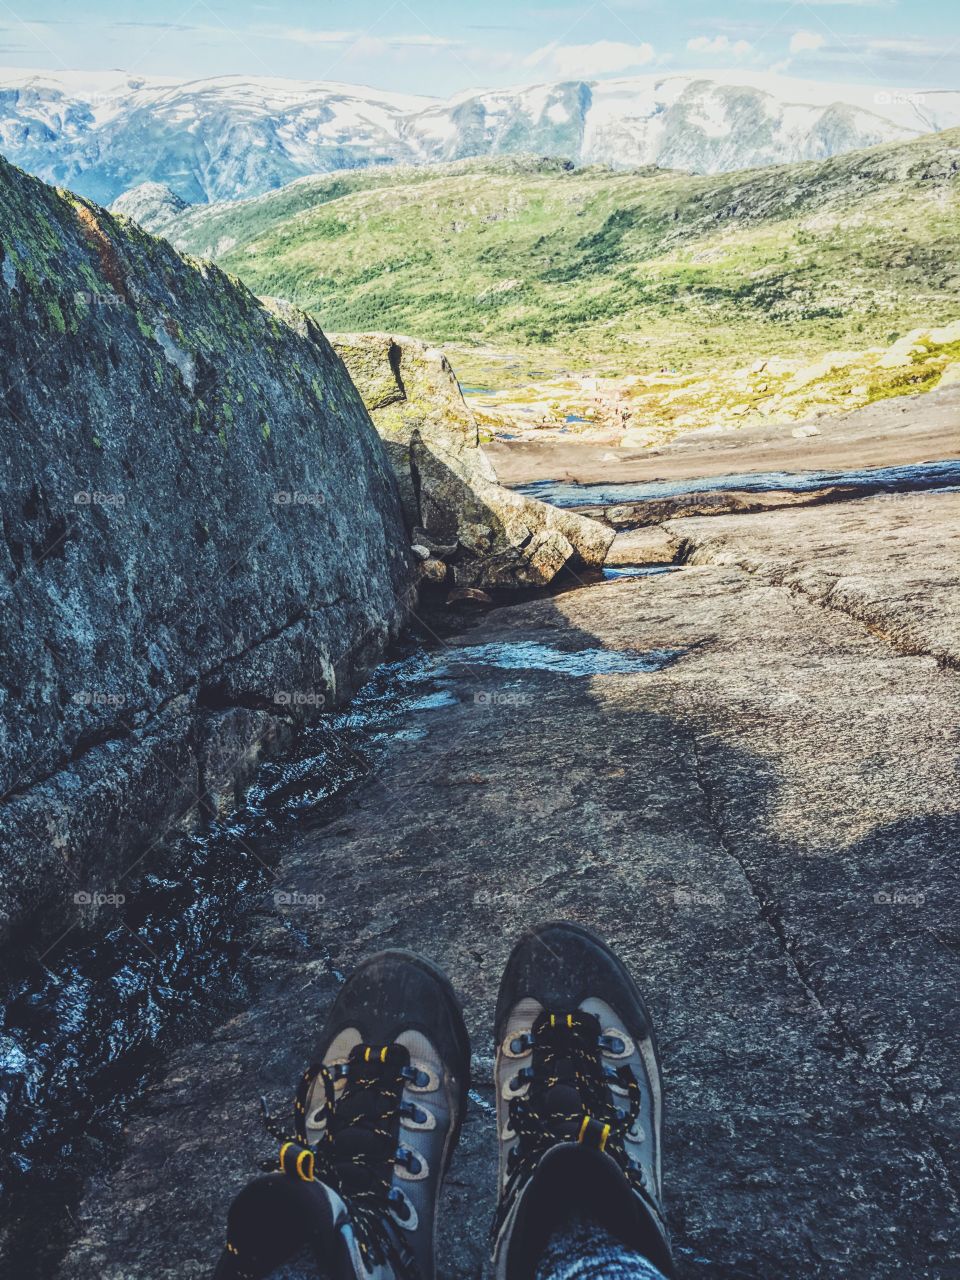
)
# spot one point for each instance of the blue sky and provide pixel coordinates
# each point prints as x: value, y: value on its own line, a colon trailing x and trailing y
x: 445, y: 46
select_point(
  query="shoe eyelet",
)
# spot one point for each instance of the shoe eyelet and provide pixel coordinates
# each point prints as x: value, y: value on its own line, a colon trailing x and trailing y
x: 410, y: 1165
x: 420, y: 1079
x: 614, y: 1082
x: 518, y: 1044
x: 615, y: 1043
x: 419, y: 1119
x: 636, y: 1132
x: 518, y: 1085
x: 339, y: 1070
x: 401, y: 1210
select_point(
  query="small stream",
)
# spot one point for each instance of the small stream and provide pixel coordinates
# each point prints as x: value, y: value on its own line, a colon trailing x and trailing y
x: 916, y: 477
x: 83, y: 1027
x: 612, y: 573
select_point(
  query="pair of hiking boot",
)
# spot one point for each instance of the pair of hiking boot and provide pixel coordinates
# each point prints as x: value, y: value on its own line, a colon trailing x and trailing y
x: 356, y: 1184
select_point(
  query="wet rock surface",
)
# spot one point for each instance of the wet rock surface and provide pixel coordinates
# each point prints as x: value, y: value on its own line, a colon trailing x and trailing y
x: 752, y: 795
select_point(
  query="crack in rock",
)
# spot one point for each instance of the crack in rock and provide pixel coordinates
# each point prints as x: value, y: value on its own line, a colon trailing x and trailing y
x: 933, y: 1149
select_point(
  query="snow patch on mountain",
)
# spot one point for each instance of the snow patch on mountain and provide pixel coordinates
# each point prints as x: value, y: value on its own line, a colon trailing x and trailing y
x: 236, y: 136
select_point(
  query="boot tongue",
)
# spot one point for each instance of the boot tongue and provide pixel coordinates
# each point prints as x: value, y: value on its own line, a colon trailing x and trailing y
x: 555, y: 1040
x: 364, y: 1128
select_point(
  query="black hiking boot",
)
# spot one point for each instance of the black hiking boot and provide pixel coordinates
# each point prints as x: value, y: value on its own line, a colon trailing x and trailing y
x: 375, y: 1123
x: 579, y: 1104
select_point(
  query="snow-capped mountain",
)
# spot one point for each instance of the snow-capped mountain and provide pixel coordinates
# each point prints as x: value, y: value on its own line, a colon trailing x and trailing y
x: 205, y: 139
x: 235, y: 136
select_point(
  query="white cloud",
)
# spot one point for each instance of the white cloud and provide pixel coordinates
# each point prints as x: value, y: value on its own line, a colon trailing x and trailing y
x: 720, y: 44
x: 805, y: 41
x: 305, y: 36
x: 601, y: 57
x: 423, y: 41
x: 911, y: 46
x: 300, y: 35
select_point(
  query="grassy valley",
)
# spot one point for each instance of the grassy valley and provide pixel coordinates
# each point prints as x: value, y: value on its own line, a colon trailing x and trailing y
x: 651, y: 273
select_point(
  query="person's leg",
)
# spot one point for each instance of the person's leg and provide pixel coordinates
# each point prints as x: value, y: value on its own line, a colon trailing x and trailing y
x: 358, y: 1177
x: 584, y: 1251
x: 579, y: 1109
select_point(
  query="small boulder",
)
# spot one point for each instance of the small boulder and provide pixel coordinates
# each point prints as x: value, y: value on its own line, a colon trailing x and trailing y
x: 524, y: 542
x: 433, y: 571
x: 442, y: 550
x: 650, y: 545
x: 471, y: 596
x: 476, y: 538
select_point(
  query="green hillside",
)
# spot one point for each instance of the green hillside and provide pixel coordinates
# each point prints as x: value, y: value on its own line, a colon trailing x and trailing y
x: 641, y: 267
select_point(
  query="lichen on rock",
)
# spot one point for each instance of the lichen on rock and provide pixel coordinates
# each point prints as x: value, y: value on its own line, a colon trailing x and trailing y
x: 200, y: 528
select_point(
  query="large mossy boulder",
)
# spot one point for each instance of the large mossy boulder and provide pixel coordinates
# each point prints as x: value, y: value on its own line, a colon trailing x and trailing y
x: 203, y: 542
x: 490, y: 536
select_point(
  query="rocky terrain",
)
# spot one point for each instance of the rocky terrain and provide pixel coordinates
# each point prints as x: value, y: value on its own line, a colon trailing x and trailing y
x: 205, y: 551
x: 203, y: 536
x: 741, y: 771
x: 202, y: 543
x: 645, y: 411
x: 900, y: 431
x: 235, y: 136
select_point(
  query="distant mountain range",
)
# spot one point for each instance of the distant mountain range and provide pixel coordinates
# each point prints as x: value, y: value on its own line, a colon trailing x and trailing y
x: 233, y: 136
